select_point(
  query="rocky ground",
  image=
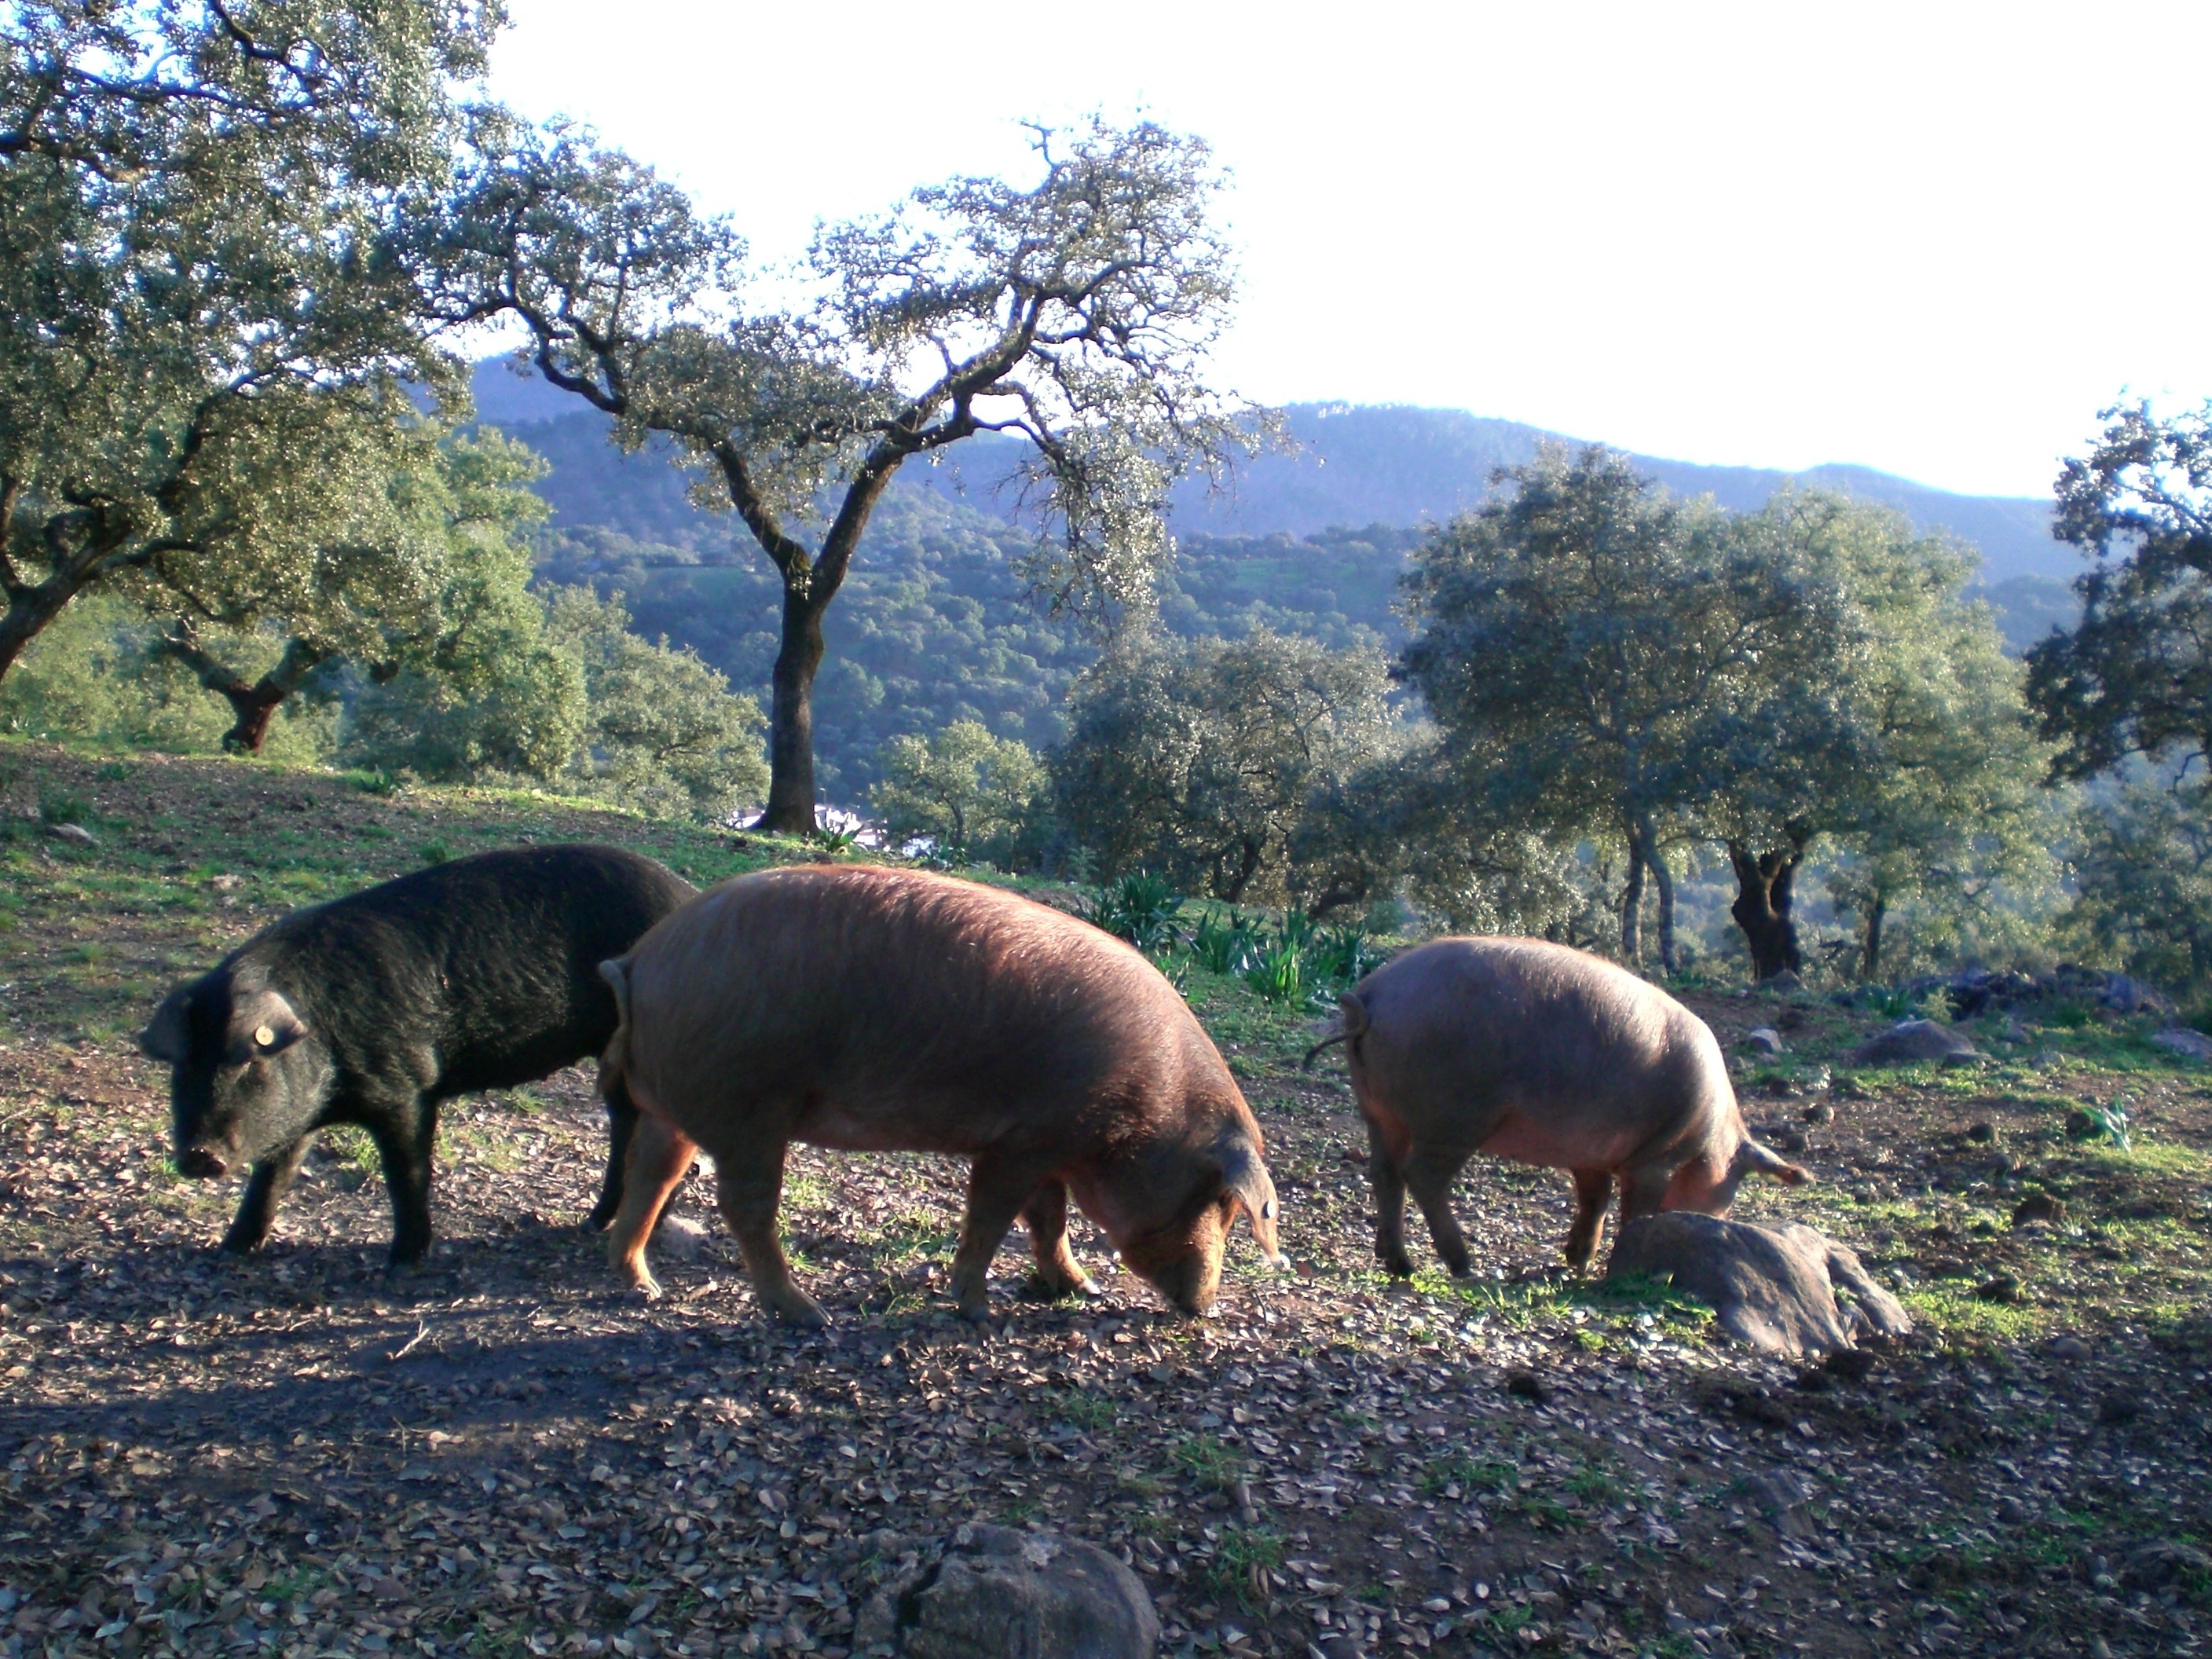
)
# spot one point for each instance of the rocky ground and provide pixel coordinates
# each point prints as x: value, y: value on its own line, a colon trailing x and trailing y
x: 500, y: 1454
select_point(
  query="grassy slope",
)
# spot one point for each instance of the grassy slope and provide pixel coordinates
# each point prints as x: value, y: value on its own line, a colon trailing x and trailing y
x: 1332, y: 1460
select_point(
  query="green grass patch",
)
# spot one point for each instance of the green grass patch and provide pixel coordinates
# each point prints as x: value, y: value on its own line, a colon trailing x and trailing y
x: 1208, y: 1459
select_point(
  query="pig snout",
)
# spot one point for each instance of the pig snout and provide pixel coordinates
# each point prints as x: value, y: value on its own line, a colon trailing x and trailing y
x: 203, y: 1162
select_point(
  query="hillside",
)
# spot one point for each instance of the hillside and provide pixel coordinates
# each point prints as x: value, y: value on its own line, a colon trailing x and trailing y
x: 498, y: 1453
x: 934, y: 625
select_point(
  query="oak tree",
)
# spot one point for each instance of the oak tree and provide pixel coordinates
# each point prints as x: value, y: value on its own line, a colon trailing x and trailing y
x: 208, y: 330
x: 1069, y: 317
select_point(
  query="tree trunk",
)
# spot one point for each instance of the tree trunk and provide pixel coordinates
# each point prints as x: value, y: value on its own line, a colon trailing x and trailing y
x: 791, y: 803
x: 1871, y: 966
x: 1765, y: 884
x: 29, y: 610
x: 1631, y: 906
x: 1249, y: 852
x: 251, y: 706
x: 1663, y: 879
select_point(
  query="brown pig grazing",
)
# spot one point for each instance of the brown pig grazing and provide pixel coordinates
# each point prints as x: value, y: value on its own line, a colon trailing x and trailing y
x: 883, y: 1010
x: 1542, y: 1055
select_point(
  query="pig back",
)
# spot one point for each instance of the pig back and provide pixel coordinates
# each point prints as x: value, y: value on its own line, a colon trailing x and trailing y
x: 1543, y: 1052
x: 870, y: 1008
x: 487, y: 966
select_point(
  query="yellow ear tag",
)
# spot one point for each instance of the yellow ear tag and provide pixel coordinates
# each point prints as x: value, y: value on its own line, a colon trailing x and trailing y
x: 264, y: 1036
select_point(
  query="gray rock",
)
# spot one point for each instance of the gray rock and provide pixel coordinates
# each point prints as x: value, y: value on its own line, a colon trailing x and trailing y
x: 2154, y: 1565
x: 1912, y: 1040
x: 995, y: 1593
x: 1765, y: 1041
x: 76, y: 832
x: 2068, y: 1350
x: 2126, y: 995
x: 1784, y: 1289
x: 2181, y: 1040
x: 680, y: 1236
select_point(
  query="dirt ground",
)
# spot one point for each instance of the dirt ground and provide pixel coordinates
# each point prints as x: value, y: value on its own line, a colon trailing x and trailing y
x: 498, y: 1453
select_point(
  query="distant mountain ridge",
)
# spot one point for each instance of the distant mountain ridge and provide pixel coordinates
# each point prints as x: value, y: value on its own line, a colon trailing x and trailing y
x: 935, y: 624
x: 1358, y: 464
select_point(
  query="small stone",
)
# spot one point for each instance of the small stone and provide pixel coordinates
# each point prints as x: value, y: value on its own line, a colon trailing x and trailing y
x: 73, y: 832
x: 2044, y: 1058
x: 2069, y: 1350
x: 1982, y: 1133
x: 682, y: 1237
x: 996, y: 1593
x: 1765, y: 1040
x: 2001, y: 1288
x: 1821, y: 1112
x: 2117, y: 1408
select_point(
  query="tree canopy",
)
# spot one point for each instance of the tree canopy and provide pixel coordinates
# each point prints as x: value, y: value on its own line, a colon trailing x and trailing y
x: 2134, y: 676
x: 208, y: 325
x: 1200, y: 761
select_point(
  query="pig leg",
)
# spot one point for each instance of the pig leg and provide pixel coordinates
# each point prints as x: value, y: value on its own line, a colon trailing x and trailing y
x: 659, y: 1157
x: 264, y: 1192
x: 997, y: 1192
x: 404, y: 1143
x: 1388, y: 1182
x: 622, y: 1125
x: 1429, y: 1171
x: 751, y: 1190
x: 1592, y: 1188
x: 1046, y: 1216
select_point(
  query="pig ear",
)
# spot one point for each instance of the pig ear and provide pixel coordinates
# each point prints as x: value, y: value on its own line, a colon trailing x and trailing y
x: 168, y: 1036
x: 1246, y: 1178
x: 273, y: 1026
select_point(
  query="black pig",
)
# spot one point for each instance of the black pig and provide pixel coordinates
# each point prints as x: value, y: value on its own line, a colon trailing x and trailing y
x: 478, y: 974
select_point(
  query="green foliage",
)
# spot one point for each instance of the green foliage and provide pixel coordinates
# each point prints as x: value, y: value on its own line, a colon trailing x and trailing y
x: 2143, y: 879
x: 1222, y: 942
x: 1615, y: 667
x: 209, y: 331
x: 967, y: 793
x: 1140, y: 908
x: 665, y: 736
x: 1278, y: 971
x: 98, y: 675
x: 2134, y: 677
x: 2109, y: 1121
x: 1202, y: 761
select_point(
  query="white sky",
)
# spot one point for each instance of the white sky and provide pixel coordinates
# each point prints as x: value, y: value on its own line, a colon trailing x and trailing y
x: 1933, y: 238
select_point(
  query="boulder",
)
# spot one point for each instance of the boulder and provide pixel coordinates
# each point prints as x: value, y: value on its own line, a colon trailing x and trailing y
x: 1912, y: 1040
x: 2193, y: 1045
x: 1784, y: 1289
x: 997, y: 1593
x: 2125, y: 995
